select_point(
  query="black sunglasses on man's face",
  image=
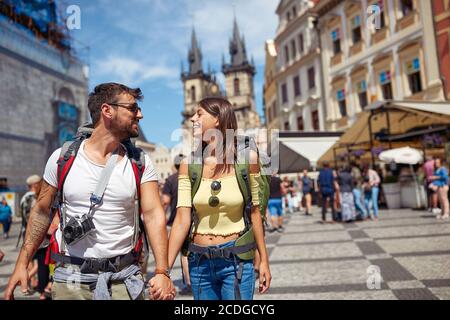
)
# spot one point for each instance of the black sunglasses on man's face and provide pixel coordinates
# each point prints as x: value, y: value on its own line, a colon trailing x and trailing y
x: 133, y: 107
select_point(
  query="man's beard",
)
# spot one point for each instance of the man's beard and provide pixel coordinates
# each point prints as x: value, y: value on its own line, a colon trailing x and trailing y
x: 124, y: 131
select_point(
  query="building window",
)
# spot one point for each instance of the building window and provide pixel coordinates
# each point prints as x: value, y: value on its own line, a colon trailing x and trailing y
x: 380, y: 4
x: 193, y: 94
x: 311, y: 78
x: 340, y: 97
x: 336, y: 38
x: 300, y: 125
x: 315, y: 120
x: 294, y: 11
x: 413, y: 72
x: 406, y: 6
x: 284, y: 95
x: 288, y: 16
x: 301, y: 47
x: 356, y: 29
x: 286, y: 126
x: 237, y: 91
x: 274, y: 110
x: 361, y: 89
x: 286, y: 54
x: 293, y: 48
x: 297, y: 90
x: 386, y: 86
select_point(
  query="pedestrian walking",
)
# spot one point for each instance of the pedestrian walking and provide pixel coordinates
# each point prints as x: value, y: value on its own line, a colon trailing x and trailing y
x: 5, y: 217
x: 432, y: 194
x: 345, y: 181
x: 326, y: 188
x: 357, y: 191
x: 100, y: 184
x: 307, y: 188
x: 371, y: 191
x: 222, y: 228
x: 277, y: 190
x: 440, y: 182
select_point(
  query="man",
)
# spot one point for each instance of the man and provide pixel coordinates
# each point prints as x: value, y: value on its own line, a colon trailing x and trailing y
x: 104, y: 258
x: 29, y: 199
x: 38, y: 264
x: 169, y: 200
x: 326, y: 188
x: 275, y: 205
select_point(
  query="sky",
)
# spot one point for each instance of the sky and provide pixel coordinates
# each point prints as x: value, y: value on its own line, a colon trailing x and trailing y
x: 141, y: 43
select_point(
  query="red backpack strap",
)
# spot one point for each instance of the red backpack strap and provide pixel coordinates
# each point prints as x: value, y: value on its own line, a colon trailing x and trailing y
x: 137, y: 158
x: 69, y: 150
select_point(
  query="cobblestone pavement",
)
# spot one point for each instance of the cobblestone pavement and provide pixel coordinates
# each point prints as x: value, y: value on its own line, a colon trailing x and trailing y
x: 410, y: 249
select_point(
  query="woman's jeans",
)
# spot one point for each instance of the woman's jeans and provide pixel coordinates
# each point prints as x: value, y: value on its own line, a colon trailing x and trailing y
x: 214, y: 279
x: 358, y: 204
x: 372, y: 197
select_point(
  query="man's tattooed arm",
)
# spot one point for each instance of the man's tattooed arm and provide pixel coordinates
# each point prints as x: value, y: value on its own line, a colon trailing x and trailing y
x: 38, y: 224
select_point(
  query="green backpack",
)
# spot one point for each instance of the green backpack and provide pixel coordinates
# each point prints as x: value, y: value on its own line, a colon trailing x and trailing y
x: 242, y: 174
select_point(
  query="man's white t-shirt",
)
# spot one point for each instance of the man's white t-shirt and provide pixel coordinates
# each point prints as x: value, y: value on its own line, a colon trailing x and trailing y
x: 114, y: 217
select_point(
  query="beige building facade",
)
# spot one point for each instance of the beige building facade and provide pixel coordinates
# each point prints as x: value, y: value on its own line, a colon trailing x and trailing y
x: 297, y: 70
x: 270, y: 106
x: 376, y: 50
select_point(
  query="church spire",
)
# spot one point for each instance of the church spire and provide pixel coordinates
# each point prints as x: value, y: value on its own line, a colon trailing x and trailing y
x: 195, y: 56
x: 238, y: 53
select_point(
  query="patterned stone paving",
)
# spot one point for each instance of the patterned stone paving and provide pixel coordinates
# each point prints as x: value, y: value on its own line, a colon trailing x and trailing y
x: 411, y: 250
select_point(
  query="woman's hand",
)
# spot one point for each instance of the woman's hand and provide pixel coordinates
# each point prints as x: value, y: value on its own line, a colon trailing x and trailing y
x: 264, y: 277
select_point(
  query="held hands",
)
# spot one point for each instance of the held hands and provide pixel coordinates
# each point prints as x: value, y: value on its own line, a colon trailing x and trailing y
x: 161, y: 288
x: 264, y: 277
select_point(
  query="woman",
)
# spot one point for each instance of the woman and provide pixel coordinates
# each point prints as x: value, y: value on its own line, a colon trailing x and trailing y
x: 440, y: 181
x: 218, y: 208
x: 5, y: 217
x: 371, y: 191
x: 345, y: 182
x: 307, y: 188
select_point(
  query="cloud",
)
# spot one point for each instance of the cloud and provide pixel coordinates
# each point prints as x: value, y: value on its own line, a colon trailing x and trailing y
x: 132, y: 71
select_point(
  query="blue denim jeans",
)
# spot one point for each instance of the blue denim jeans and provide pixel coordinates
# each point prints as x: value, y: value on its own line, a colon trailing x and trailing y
x: 372, y: 197
x: 213, y: 279
x: 359, y: 206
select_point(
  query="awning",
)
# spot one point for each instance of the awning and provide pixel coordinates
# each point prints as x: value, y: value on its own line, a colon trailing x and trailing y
x: 402, y: 116
x: 302, y: 150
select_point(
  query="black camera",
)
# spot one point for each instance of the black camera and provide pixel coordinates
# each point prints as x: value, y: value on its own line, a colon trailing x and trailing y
x: 77, y: 229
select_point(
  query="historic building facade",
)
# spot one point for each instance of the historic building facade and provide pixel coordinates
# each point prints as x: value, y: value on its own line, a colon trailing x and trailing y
x: 43, y: 89
x: 238, y: 72
x: 297, y: 71
x: 390, y: 54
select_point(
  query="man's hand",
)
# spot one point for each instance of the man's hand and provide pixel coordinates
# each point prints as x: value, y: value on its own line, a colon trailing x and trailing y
x: 20, y: 275
x: 161, y: 288
x: 264, y: 277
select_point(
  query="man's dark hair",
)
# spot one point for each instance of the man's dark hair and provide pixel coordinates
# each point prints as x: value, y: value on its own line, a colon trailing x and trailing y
x: 107, y: 93
x: 325, y: 164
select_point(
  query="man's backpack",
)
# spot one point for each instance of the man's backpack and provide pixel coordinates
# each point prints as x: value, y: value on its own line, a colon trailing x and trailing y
x: 242, y: 171
x: 69, y: 151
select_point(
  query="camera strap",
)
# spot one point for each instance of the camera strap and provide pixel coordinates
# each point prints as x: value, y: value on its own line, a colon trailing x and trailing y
x: 97, y: 195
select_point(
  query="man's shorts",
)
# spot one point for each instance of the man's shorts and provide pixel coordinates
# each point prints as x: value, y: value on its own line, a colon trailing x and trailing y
x: 275, y: 207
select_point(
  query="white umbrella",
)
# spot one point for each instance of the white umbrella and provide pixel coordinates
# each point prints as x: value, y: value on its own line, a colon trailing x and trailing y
x: 404, y: 155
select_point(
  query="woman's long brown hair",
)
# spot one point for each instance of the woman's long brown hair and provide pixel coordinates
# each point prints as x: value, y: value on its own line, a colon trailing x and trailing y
x: 224, y: 112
